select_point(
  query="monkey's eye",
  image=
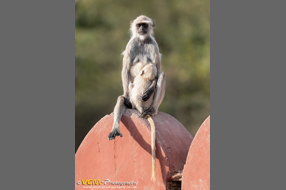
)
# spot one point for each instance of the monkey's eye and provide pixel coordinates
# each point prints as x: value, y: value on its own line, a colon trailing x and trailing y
x: 145, y: 25
x: 142, y: 24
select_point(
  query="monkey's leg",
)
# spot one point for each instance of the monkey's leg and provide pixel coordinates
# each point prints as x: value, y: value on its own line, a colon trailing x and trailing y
x: 119, y: 109
x: 159, y: 92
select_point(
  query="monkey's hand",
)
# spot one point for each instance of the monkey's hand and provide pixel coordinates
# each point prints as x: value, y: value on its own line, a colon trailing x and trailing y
x: 146, y: 95
x: 113, y: 134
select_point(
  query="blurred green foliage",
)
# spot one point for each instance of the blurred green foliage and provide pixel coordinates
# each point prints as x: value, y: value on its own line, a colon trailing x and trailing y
x: 101, y: 33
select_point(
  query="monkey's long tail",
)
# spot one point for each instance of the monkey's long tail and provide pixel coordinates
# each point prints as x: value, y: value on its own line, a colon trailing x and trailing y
x: 153, y: 136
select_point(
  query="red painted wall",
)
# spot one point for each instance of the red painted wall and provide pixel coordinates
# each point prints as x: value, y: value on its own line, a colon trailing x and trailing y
x: 196, y: 174
x: 128, y: 159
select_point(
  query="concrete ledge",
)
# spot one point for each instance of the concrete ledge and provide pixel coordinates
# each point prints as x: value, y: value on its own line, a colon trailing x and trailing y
x: 128, y: 159
x: 196, y: 174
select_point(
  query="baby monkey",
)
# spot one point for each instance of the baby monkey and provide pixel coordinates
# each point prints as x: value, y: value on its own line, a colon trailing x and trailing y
x: 143, y: 81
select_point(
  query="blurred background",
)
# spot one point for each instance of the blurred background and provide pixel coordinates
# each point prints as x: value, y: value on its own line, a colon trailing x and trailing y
x: 182, y: 32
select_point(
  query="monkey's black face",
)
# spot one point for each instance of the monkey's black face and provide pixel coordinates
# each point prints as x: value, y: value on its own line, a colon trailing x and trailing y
x: 142, y: 28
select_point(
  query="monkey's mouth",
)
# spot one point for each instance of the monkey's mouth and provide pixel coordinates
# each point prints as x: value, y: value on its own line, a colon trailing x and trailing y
x: 142, y: 32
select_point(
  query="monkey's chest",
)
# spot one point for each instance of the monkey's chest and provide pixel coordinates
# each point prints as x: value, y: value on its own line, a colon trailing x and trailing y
x: 143, y: 53
x: 135, y: 69
x: 140, y: 56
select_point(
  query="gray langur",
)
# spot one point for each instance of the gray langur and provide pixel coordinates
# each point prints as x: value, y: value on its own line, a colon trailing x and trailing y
x: 141, y: 49
x: 139, y: 86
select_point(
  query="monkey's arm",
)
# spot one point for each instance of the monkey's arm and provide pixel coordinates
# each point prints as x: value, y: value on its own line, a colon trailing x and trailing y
x: 156, y: 55
x: 158, y: 61
x: 146, y: 95
x: 125, y: 74
x: 125, y: 82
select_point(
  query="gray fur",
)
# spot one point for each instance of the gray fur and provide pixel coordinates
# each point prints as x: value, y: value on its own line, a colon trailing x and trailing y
x: 142, y: 49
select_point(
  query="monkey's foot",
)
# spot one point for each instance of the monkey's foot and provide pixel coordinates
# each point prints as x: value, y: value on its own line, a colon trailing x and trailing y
x: 146, y: 95
x: 149, y: 111
x: 113, y: 134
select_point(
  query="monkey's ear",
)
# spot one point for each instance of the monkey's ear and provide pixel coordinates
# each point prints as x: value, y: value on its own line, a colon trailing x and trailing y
x: 131, y: 22
x: 153, y: 23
